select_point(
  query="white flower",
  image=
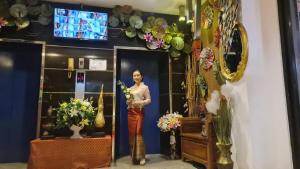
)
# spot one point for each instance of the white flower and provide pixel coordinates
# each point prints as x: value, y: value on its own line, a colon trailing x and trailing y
x: 227, y: 90
x: 127, y: 96
x: 85, y: 103
x: 213, y: 104
x: 73, y: 112
x: 122, y: 87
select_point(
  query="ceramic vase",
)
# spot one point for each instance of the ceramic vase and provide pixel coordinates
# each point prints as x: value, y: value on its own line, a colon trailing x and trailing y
x: 76, y: 132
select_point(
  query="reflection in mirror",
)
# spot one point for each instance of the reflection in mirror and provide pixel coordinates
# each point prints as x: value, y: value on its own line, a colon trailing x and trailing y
x: 233, y: 57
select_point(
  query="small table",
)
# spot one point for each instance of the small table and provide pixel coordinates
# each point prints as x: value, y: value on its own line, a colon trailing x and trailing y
x: 70, y: 153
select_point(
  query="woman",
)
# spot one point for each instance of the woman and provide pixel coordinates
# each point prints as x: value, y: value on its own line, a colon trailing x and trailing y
x: 141, y: 97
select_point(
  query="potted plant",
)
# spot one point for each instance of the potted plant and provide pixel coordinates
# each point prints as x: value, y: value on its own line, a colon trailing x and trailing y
x: 220, y: 105
x: 169, y: 123
x: 75, y: 115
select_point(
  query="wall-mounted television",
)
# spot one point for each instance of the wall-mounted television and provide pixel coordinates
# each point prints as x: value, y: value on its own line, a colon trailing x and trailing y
x: 76, y: 24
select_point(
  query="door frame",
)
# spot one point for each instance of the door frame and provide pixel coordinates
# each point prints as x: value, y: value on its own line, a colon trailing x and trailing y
x: 40, y: 99
x: 116, y: 48
x: 290, y: 40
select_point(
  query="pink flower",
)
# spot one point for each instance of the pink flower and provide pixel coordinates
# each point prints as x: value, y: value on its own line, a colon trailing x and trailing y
x: 148, y: 37
x: 159, y: 43
x: 207, y: 58
x: 3, y: 22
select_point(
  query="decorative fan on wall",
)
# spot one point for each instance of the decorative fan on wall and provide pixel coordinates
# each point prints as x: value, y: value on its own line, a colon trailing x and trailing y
x: 19, y: 13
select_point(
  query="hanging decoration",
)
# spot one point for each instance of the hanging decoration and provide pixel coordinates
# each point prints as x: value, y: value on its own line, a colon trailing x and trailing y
x: 156, y: 32
x: 20, y: 13
x: 207, y: 58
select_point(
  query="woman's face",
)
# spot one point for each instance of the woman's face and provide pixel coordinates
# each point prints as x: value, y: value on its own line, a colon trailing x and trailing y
x: 137, y: 77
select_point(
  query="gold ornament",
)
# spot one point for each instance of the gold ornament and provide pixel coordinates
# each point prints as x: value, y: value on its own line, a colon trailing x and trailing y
x: 100, y: 121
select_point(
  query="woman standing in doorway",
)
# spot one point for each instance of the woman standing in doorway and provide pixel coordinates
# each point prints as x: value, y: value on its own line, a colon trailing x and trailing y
x: 142, y: 98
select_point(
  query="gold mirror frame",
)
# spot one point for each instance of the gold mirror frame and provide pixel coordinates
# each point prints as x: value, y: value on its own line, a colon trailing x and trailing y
x: 235, y: 76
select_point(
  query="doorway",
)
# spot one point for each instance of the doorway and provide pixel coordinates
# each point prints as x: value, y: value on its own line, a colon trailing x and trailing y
x: 154, y: 65
x: 20, y: 70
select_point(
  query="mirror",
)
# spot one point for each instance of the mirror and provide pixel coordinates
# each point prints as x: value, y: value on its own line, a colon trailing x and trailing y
x: 233, y: 63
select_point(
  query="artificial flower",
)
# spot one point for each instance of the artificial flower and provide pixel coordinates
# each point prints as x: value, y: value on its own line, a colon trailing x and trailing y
x: 84, y: 122
x: 160, y: 43
x: 73, y: 112
x: 148, y: 37
x: 207, y: 58
x: 3, y: 22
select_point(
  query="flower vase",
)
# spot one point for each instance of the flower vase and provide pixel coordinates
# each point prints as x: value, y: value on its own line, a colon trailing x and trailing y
x: 224, y: 160
x: 173, y: 144
x: 76, y: 132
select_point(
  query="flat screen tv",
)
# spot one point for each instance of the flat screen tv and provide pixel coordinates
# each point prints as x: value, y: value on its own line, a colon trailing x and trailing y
x: 75, y: 24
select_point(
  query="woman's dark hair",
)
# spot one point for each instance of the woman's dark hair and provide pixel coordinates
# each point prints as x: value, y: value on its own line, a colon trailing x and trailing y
x: 137, y: 70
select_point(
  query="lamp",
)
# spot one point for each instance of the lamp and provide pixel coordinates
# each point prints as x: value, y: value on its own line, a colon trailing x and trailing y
x: 197, y: 24
x: 189, y: 11
x: 181, y: 13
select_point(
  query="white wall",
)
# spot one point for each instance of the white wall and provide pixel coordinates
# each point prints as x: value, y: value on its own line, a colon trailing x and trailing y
x: 260, y: 128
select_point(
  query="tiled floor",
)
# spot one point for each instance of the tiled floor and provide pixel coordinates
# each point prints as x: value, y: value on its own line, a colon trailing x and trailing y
x: 153, y: 162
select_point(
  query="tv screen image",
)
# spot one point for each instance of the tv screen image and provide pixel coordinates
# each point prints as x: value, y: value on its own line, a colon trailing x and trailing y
x: 80, y: 24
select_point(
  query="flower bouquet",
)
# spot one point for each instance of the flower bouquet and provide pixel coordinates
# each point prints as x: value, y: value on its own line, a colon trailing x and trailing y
x: 125, y: 90
x: 170, y: 122
x: 75, y: 114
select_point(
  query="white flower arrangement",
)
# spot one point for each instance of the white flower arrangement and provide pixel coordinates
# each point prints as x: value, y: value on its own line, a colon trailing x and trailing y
x: 75, y: 112
x: 126, y: 91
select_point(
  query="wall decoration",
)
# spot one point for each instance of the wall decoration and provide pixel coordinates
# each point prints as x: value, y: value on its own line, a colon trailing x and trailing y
x: 100, y: 121
x: 207, y: 58
x: 20, y: 13
x: 202, y: 85
x: 233, y: 63
x: 207, y: 16
x: 227, y: 21
x: 156, y: 32
x: 158, y: 35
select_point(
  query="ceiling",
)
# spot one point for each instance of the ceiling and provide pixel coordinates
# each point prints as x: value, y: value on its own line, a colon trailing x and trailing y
x: 156, y: 6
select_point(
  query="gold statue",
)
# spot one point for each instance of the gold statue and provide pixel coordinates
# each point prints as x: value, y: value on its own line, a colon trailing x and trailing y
x: 99, y: 121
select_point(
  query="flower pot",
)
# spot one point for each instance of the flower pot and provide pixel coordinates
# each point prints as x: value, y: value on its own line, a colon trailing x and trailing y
x: 224, y: 160
x: 76, y: 132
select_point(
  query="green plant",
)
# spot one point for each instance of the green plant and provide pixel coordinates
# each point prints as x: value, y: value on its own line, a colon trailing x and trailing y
x: 223, y: 122
x: 75, y: 112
